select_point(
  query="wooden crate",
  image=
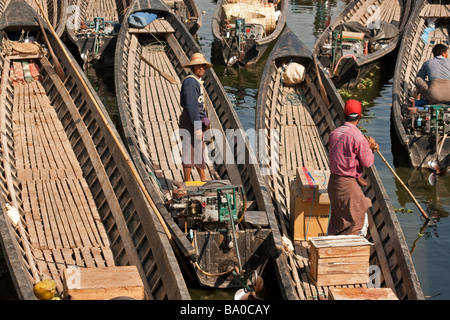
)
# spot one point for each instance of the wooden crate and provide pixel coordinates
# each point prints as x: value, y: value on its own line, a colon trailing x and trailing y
x: 361, y: 294
x: 339, y: 260
x: 102, y: 283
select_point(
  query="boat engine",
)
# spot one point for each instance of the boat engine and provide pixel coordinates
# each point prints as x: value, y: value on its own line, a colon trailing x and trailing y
x: 431, y: 120
x: 242, y: 33
x: 212, y: 205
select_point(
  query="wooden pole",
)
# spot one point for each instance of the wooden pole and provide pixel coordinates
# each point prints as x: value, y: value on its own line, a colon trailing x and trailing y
x: 58, y: 68
x: 119, y: 144
x: 404, y: 186
x: 323, y: 92
x: 165, y: 75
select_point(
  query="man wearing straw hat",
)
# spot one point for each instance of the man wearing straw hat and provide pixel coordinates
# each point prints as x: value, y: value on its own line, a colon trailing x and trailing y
x: 194, y: 118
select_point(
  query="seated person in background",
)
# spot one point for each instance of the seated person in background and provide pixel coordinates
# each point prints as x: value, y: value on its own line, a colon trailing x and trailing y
x: 437, y: 88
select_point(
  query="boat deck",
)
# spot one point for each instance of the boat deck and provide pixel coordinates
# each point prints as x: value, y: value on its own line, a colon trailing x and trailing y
x: 300, y: 146
x: 161, y: 111
x: 390, y: 11
x: 435, y: 11
x: 300, y: 143
x: 61, y: 218
x: 106, y: 9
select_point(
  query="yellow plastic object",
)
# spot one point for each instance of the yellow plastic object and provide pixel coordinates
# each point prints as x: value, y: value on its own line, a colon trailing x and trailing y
x: 45, y: 289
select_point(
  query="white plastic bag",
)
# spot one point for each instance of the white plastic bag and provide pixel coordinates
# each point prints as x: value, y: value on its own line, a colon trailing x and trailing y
x: 293, y: 74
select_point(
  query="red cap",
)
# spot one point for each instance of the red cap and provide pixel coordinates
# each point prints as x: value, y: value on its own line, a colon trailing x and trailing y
x: 352, y: 106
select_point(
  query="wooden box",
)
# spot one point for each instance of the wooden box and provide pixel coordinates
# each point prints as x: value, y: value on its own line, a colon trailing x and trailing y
x: 339, y: 260
x: 361, y: 294
x: 309, y: 218
x: 102, y: 283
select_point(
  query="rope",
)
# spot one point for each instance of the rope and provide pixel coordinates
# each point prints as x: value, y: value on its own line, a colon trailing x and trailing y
x: 152, y: 47
x: 294, y: 98
x: 217, y: 274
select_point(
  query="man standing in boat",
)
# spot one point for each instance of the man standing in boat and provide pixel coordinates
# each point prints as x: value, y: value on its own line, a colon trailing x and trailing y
x: 437, y: 88
x: 350, y: 152
x: 194, y: 118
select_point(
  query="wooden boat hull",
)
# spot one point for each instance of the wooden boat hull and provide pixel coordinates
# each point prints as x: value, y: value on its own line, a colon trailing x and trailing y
x: 55, y: 11
x: 420, y: 146
x: 101, y: 216
x: 188, y: 13
x: 92, y: 48
x: 304, y: 121
x: 146, y: 96
x: 225, y: 47
x: 353, y: 54
x: 92, y: 26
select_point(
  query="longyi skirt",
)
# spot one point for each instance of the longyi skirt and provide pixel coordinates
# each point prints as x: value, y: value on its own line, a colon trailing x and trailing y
x: 348, y: 206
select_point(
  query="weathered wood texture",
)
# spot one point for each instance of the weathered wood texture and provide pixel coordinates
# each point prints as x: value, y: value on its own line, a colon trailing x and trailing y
x: 365, y: 12
x: 413, y: 52
x: 55, y: 11
x: 64, y: 170
x: 352, y: 68
x: 390, y: 252
x: 254, y: 47
x: 149, y: 111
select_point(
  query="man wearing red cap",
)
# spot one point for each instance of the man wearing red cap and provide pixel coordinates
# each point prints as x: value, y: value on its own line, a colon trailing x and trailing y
x: 350, y: 152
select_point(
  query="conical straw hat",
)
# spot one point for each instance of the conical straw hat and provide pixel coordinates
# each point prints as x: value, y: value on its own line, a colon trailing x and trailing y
x: 198, y: 59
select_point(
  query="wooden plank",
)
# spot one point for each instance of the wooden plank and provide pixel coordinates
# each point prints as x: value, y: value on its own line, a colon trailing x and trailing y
x: 56, y: 217
x: 361, y: 294
x: 66, y: 226
x: 105, y: 283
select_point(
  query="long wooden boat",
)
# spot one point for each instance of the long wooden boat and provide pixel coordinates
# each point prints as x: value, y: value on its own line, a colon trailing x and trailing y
x: 94, y: 25
x: 67, y: 175
x: 55, y: 11
x: 422, y: 134
x: 148, y: 75
x: 188, y: 12
x: 244, y: 29
x: 363, y: 33
x: 299, y: 118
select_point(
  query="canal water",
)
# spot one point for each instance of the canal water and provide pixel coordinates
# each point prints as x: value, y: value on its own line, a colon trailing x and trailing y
x: 429, y: 243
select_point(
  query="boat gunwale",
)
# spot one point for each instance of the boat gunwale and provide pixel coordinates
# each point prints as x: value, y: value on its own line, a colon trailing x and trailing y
x: 217, y: 95
x: 375, y: 190
x: 154, y: 239
x: 365, y: 60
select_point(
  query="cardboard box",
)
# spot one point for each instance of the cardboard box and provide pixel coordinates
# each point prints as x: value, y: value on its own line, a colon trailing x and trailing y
x: 339, y: 260
x: 309, y: 218
x: 313, y: 184
x: 361, y: 294
x: 102, y: 283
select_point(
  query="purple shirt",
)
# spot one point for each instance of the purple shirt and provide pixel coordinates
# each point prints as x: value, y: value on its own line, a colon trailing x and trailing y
x: 349, y: 151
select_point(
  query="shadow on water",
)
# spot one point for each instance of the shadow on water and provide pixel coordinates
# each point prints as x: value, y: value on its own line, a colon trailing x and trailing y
x: 7, y: 290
